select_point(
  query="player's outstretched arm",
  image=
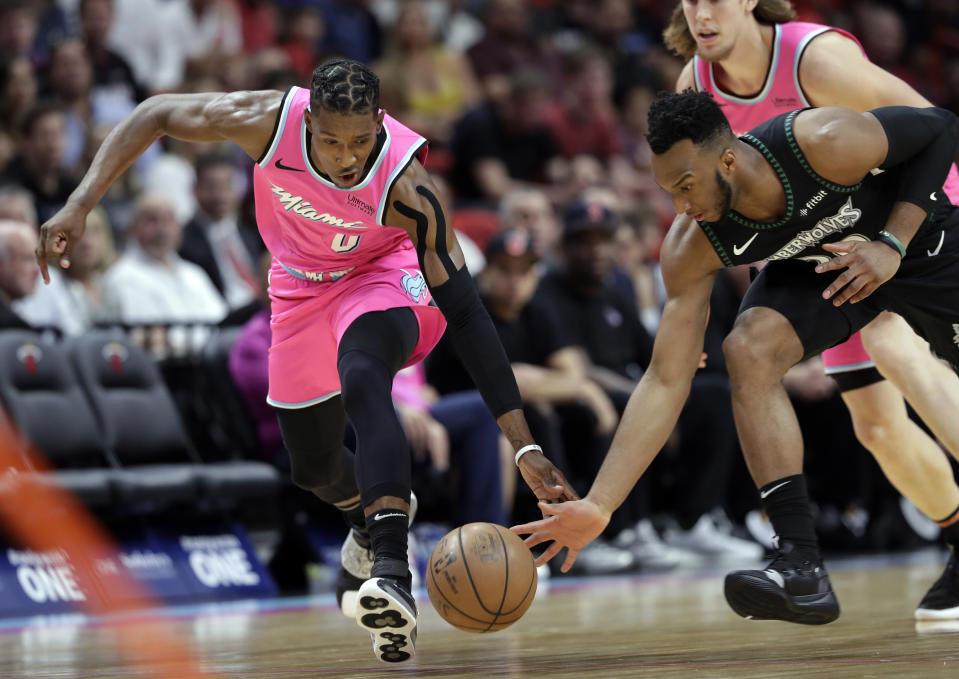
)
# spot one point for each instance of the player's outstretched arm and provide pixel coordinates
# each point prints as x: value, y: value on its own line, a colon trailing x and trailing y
x: 245, y: 118
x: 689, y: 271
x: 415, y: 207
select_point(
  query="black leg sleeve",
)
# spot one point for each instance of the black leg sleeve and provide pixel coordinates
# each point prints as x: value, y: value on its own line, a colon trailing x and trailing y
x: 372, y: 350
x: 319, y: 462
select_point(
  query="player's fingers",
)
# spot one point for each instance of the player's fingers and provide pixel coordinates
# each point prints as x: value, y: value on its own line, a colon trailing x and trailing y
x: 834, y: 264
x: 841, y: 281
x: 570, y: 559
x: 554, y: 508
x: 550, y: 552
x: 839, y: 247
x: 863, y: 293
x: 524, y: 528
x: 538, y: 538
x: 855, y: 285
x: 41, y: 253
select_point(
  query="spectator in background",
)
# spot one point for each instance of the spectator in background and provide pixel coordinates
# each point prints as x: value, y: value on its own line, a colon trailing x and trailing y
x: 141, y: 34
x: 151, y: 283
x: 18, y: 94
x: 508, y: 46
x: 304, y: 31
x: 18, y: 31
x: 214, y: 239
x: 458, y: 28
x: 528, y: 209
x: 38, y: 167
x: 357, y: 34
x: 209, y: 33
x: 584, y: 122
x: 249, y: 368
x: 110, y: 70
x: 18, y: 269
x: 16, y: 204
x: 425, y: 85
x: 638, y: 240
x: 496, y: 144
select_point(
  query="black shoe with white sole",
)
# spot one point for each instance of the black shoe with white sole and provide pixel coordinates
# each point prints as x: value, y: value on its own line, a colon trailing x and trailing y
x: 387, y: 610
x: 356, y: 564
x: 792, y: 588
x: 942, y: 600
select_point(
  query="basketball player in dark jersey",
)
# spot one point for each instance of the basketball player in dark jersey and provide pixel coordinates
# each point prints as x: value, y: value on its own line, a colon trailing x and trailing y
x: 848, y: 210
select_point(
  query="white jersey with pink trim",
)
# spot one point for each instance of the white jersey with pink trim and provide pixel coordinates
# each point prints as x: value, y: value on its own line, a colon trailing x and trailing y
x: 306, y: 221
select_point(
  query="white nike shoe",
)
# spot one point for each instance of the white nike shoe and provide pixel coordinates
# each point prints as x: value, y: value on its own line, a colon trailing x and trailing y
x: 356, y: 565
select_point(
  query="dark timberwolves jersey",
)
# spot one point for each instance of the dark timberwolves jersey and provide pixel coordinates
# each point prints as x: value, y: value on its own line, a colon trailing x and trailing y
x: 817, y: 211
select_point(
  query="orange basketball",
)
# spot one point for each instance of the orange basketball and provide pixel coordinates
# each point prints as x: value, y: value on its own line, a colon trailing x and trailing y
x: 481, y: 577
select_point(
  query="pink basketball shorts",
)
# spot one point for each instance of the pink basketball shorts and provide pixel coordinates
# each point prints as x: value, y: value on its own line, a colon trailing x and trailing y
x: 309, y: 318
x: 848, y: 356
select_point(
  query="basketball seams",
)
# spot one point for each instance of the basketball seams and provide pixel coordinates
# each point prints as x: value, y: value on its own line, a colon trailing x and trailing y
x: 469, y: 573
x: 436, y: 588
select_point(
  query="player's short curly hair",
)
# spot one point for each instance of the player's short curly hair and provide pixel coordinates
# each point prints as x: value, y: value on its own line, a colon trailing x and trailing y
x: 688, y: 115
x: 345, y: 86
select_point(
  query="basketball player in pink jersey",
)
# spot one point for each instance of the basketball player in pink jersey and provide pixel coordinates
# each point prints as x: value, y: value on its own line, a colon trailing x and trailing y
x: 365, y: 268
x: 758, y: 62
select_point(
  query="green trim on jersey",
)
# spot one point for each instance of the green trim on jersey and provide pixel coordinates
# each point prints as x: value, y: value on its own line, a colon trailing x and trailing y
x: 801, y: 157
x: 787, y: 188
x: 717, y: 245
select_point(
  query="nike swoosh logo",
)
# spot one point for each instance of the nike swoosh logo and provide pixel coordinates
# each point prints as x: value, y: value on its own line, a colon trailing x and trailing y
x: 740, y: 249
x: 377, y: 517
x: 933, y: 253
x: 280, y: 166
x: 764, y: 494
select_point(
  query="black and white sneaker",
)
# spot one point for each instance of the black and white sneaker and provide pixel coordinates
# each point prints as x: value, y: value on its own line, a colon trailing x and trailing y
x: 356, y: 565
x: 791, y: 588
x: 942, y: 600
x: 386, y: 609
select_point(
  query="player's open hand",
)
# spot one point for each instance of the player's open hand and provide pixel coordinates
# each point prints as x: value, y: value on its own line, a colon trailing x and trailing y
x: 568, y: 524
x: 867, y: 266
x: 58, y: 236
x: 544, y: 479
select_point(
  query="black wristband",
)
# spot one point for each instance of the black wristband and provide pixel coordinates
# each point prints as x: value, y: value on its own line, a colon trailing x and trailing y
x: 893, y: 242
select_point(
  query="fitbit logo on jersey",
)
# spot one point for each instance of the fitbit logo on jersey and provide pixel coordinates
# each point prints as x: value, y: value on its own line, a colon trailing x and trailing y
x: 844, y: 219
x: 303, y: 208
x: 812, y: 202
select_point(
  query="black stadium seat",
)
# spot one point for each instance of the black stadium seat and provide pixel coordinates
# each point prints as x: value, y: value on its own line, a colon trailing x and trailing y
x: 144, y: 432
x: 43, y: 398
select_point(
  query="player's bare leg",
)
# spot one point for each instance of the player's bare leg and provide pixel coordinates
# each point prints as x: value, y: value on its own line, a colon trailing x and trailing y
x: 909, y: 458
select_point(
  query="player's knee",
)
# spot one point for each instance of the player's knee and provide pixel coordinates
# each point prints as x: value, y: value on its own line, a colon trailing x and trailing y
x: 360, y: 375
x: 746, y: 356
x: 316, y: 471
x: 879, y: 435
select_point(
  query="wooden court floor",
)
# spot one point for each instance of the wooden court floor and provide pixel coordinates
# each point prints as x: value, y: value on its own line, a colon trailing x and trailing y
x: 666, y: 626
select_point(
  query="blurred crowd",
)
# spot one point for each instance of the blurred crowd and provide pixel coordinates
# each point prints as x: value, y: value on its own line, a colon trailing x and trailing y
x: 536, y: 115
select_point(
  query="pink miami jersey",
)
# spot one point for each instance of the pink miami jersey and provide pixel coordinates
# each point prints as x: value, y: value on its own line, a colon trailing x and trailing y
x: 781, y: 92
x: 333, y: 257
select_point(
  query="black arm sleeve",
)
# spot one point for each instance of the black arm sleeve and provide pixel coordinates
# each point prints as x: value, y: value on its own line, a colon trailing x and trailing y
x: 477, y: 343
x: 924, y: 141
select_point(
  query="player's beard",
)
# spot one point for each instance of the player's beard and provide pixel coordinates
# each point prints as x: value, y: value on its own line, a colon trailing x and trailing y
x: 725, y: 195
